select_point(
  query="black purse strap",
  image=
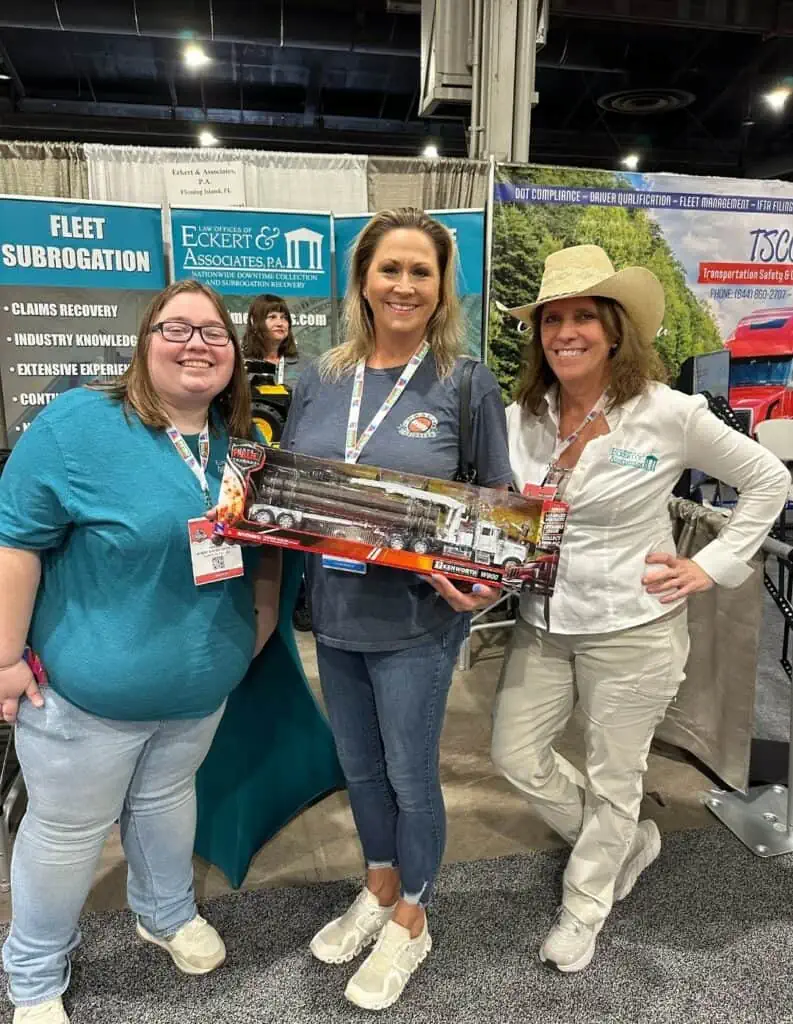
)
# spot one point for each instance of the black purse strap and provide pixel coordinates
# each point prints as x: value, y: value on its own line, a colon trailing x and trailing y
x: 467, y: 467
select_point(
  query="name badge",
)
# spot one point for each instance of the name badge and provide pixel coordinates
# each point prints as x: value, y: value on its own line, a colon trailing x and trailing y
x: 211, y: 561
x: 343, y: 564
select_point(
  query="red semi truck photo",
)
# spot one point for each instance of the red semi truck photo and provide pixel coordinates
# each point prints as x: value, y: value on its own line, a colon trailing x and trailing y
x: 761, y: 366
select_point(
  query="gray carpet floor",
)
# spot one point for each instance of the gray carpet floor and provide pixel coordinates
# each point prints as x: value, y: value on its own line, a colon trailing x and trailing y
x: 706, y: 936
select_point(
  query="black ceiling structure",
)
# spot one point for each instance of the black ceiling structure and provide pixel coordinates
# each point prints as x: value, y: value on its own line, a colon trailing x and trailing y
x: 680, y: 82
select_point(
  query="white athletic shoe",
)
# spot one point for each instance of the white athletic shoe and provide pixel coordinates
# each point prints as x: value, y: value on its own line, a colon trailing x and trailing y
x: 570, y: 944
x: 644, y: 849
x: 381, y: 978
x: 51, y: 1012
x: 344, y: 937
x: 195, y: 949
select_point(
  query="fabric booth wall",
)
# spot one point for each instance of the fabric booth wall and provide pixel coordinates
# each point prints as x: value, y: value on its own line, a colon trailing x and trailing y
x: 713, y: 715
x: 275, y: 181
x: 56, y: 169
x: 427, y: 184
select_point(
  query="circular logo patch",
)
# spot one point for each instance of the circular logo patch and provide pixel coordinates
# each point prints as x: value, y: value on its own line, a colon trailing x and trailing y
x: 420, y: 424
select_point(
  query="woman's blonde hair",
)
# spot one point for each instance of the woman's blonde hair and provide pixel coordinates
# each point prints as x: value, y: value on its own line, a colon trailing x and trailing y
x: 633, y: 362
x: 443, y: 329
x: 135, y: 388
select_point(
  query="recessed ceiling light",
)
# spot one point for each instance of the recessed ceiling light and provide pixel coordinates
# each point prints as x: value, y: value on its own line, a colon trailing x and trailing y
x: 195, y: 56
x: 206, y: 138
x: 777, y: 98
x: 631, y: 161
x: 430, y: 151
x: 4, y: 77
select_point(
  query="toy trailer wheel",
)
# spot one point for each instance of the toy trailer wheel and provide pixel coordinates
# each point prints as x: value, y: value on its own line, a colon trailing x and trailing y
x: 262, y: 515
x: 510, y: 563
x: 396, y: 541
x: 286, y: 520
x: 421, y: 546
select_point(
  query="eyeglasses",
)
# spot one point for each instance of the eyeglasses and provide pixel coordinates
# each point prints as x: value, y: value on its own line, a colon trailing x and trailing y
x: 180, y: 332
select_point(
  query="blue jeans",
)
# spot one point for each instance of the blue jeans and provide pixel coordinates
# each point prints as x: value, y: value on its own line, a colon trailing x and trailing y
x: 82, y: 773
x: 386, y: 711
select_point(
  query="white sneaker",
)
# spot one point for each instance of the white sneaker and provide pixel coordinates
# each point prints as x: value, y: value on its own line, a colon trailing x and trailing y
x: 344, y: 937
x: 51, y: 1012
x: 644, y: 849
x: 570, y: 944
x: 195, y: 949
x: 381, y: 978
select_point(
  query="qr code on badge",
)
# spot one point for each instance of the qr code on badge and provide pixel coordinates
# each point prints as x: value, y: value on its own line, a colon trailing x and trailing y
x: 218, y: 563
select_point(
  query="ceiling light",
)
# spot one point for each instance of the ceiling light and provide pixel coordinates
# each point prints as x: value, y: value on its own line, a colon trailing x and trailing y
x: 195, y: 56
x: 777, y: 98
x: 631, y: 161
x: 430, y: 151
x: 206, y: 138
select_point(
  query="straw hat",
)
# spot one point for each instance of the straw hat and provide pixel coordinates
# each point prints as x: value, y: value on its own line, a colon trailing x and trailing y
x: 587, y: 270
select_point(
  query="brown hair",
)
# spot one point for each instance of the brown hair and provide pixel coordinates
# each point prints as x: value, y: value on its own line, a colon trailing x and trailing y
x: 443, y: 329
x: 135, y: 389
x: 633, y: 362
x: 256, y: 331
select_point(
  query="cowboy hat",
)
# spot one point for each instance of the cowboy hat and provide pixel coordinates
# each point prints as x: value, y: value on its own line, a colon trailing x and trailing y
x: 587, y: 270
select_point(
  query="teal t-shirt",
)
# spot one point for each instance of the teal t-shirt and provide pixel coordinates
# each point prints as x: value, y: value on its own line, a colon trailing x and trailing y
x: 119, y: 624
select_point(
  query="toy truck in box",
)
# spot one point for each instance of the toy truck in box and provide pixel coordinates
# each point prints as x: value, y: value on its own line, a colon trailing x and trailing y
x: 422, y: 522
x: 401, y: 520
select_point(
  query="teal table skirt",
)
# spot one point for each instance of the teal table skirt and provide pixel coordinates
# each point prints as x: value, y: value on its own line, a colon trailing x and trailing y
x: 273, y: 753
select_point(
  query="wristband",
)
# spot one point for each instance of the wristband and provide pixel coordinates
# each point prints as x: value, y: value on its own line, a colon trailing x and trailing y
x: 33, y: 661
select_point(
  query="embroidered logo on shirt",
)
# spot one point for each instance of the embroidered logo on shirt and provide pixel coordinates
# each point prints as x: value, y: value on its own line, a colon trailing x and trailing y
x: 420, y: 424
x: 636, y: 460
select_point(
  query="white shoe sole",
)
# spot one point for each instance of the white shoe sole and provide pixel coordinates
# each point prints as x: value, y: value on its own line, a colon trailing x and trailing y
x: 325, y: 954
x: 579, y: 964
x: 366, y: 1001
x: 183, y: 965
x: 631, y: 871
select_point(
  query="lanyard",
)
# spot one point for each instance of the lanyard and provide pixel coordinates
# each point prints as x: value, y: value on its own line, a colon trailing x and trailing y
x: 353, y: 448
x: 279, y: 379
x: 198, y: 469
x: 563, y: 445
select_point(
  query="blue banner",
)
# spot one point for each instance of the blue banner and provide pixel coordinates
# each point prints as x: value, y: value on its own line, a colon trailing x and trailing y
x: 468, y: 230
x: 75, y: 280
x: 242, y: 252
x: 80, y: 245
x: 640, y: 199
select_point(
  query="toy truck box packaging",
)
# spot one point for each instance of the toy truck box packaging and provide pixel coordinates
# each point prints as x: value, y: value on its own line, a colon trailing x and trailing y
x: 356, y: 513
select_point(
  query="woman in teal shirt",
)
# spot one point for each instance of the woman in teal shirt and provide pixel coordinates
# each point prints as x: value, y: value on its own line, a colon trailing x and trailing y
x: 96, y: 565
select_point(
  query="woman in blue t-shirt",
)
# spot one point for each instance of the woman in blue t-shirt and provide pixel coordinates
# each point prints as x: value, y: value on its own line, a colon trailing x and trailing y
x: 96, y: 569
x: 387, y: 640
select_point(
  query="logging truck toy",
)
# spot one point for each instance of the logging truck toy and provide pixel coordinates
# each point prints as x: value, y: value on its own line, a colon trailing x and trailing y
x: 406, y: 521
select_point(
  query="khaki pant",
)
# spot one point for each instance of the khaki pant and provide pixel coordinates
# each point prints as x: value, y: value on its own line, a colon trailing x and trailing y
x: 623, y: 682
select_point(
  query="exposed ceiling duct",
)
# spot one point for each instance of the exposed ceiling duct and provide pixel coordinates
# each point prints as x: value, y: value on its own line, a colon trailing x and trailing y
x: 296, y: 23
x: 761, y: 17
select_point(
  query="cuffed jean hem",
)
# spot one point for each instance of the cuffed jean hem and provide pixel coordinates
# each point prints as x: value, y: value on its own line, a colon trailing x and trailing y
x: 166, y: 933
x: 55, y: 994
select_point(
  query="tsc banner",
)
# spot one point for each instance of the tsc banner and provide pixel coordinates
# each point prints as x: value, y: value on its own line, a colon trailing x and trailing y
x: 245, y: 253
x: 75, y: 279
x: 722, y: 248
x: 468, y: 230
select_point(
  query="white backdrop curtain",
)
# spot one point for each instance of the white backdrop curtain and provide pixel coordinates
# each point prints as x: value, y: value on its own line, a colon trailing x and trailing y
x: 445, y: 184
x: 276, y: 181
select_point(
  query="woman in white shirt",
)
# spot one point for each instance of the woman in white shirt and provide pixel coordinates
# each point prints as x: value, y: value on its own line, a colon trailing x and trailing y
x: 593, y: 418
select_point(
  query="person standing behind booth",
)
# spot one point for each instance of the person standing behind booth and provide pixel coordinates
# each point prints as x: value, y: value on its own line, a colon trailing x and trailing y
x: 268, y: 334
x: 96, y: 568
x: 593, y: 419
x: 387, y: 640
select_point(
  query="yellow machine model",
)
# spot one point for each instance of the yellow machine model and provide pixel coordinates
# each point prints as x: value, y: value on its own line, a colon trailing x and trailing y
x: 269, y: 399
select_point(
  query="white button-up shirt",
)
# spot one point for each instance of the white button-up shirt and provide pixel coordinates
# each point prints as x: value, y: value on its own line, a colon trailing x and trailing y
x: 618, y: 494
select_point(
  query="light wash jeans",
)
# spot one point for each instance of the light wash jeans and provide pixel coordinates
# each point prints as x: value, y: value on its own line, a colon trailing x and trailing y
x: 386, y: 710
x: 82, y: 773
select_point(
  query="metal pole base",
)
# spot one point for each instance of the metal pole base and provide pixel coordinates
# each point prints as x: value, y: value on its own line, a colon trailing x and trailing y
x: 756, y: 817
